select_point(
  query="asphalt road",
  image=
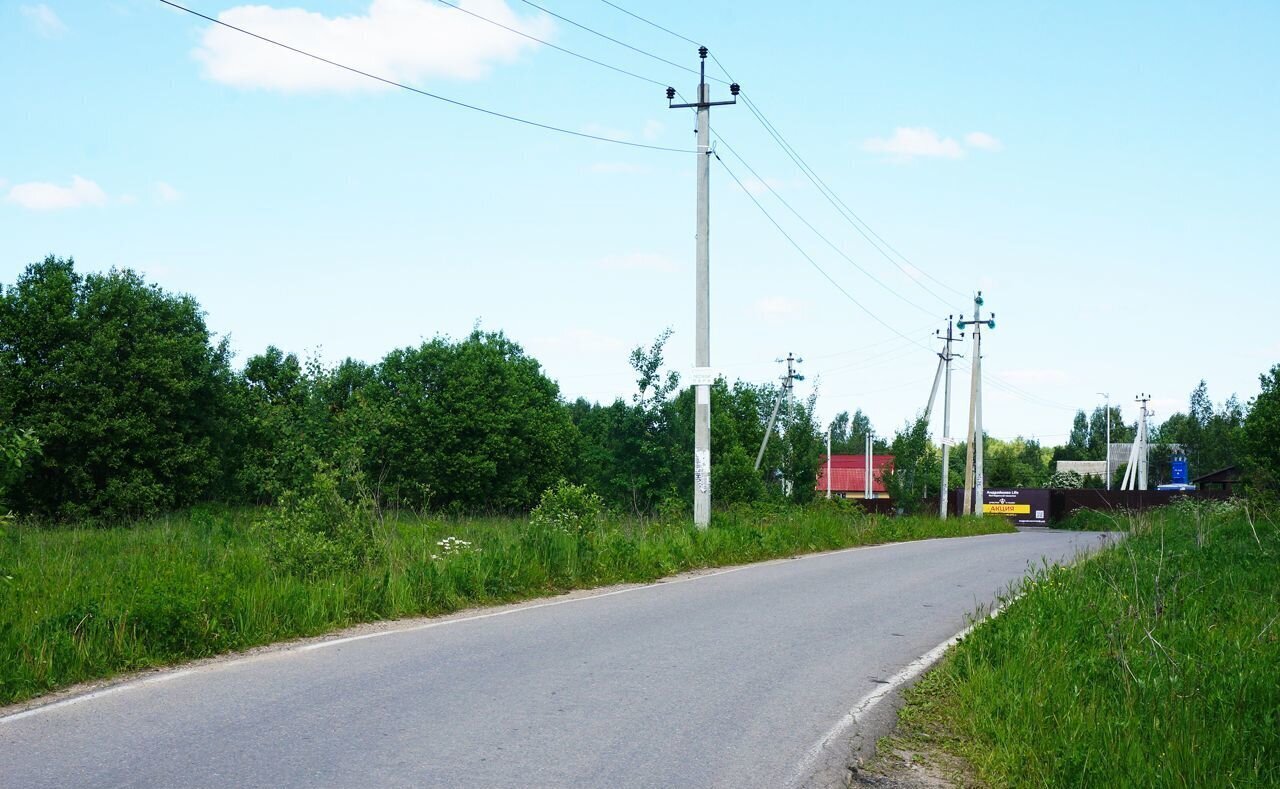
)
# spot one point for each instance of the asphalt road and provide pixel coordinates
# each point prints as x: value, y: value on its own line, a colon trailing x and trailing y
x: 726, y: 679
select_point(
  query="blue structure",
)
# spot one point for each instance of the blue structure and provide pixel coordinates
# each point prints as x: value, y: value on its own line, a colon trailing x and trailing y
x: 1179, y: 476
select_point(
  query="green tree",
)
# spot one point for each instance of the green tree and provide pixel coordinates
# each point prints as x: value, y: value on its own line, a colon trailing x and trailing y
x: 1260, y: 438
x: 16, y: 448
x: 803, y: 449
x: 474, y: 424
x: 916, y: 466
x: 121, y: 380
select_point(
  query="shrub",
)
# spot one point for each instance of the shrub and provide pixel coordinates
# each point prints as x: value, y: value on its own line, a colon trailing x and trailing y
x: 567, y: 508
x: 317, y: 532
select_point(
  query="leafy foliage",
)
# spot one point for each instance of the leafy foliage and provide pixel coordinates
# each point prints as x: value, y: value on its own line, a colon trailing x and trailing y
x: 1260, y: 438
x: 915, y: 467
x: 568, y: 508
x: 317, y: 531
x: 124, y: 386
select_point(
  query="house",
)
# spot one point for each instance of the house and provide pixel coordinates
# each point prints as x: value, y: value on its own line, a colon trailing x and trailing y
x: 849, y: 474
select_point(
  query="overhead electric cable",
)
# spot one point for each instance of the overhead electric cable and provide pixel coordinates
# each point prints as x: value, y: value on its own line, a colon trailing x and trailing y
x: 545, y: 43
x: 815, y: 230
x: 421, y: 92
x: 813, y: 262
x: 595, y: 32
x: 654, y: 24
x: 841, y: 207
x: 854, y: 221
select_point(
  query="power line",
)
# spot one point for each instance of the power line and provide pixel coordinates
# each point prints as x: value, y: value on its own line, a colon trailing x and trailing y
x: 595, y: 32
x: 815, y: 230
x: 854, y: 221
x: 421, y: 92
x: 660, y: 27
x: 850, y: 216
x: 813, y: 262
x: 545, y: 43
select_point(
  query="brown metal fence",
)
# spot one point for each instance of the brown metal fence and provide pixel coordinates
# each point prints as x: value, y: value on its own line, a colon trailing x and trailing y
x: 1065, y: 501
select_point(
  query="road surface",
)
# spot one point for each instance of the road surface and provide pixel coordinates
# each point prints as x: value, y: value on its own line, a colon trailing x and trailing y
x: 727, y: 679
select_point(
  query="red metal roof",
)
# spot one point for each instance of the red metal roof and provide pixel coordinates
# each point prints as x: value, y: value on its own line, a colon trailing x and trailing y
x: 849, y: 473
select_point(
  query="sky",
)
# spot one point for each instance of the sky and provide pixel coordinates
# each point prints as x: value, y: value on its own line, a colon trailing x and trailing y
x: 1103, y: 172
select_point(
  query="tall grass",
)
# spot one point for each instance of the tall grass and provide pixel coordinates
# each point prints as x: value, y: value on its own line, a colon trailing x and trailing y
x: 81, y: 604
x: 1156, y: 663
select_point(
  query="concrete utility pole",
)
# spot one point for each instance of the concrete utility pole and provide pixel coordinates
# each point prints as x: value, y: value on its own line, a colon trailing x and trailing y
x: 869, y: 492
x: 973, y: 481
x: 828, y: 461
x: 1143, y: 457
x: 1107, y: 397
x: 788, y: 383
x: 1135, y: 472
x: 702, y: 336
x: 944, y: 361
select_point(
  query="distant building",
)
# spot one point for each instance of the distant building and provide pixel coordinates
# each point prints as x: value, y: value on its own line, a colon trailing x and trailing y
x: 1084, y: 468
x: 849, y: 476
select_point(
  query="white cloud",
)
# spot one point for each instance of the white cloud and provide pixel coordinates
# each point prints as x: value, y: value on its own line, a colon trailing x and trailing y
x: 40, y: 196
x: 45, y: 20
x: 777, y: 308
x: 983, y: 141
x: 403, y: 40
x: 618, y: 168
x: 638, y: 261
x: 908, y: 142
x: 166, y: 193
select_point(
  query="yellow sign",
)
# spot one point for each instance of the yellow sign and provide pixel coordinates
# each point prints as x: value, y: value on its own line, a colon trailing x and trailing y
x: 1007, y: 509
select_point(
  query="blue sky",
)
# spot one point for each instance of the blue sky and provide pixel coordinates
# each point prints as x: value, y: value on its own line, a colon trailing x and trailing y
x: 1104, y: 172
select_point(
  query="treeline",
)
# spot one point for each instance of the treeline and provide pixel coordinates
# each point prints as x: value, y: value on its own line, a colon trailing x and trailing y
x: 116, y: 403
x: 132, y: 408
x: 1211, y: 437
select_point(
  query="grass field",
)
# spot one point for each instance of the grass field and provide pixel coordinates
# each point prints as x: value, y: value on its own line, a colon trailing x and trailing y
x: 1155, y: 663
x: 80, y: 604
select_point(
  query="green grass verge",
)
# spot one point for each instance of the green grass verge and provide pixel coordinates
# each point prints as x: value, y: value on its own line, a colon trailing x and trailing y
x: 1154, y: 663
x: 82, y: 604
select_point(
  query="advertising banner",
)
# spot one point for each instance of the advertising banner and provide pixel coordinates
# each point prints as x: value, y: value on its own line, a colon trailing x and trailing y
x: 1023, y: 506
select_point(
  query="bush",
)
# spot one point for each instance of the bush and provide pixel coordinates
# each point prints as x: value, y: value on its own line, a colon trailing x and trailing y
x: 319, y: 532
x: 567, y: 508
x: 124, y: 386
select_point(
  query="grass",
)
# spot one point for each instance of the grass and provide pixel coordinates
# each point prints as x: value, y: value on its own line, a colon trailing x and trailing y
x: 1155, y: 663
x: 79, y: 604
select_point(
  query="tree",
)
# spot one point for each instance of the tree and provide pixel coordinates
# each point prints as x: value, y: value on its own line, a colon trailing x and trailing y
x: 915, y: 467
x: 473, y: 424
x: 1260, y: 438
x: 16, y: 447
x: 849, y: 435
x: 124, y: 386
x: 802, y: 451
